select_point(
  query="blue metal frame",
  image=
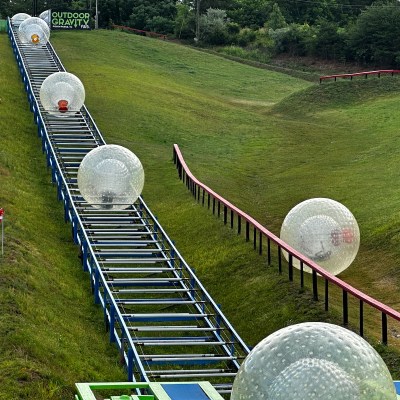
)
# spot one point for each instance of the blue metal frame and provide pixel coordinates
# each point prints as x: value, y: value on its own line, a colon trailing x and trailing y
x: 210, y: 312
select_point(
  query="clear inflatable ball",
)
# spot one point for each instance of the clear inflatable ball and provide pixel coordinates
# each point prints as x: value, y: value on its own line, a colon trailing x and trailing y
x: 46, y: 16
x: 34, y: 31
x: 18, y: 18
x: 323, y: 230
x: 313, y: 360
x: 110, y: 177
x: 61, y: 93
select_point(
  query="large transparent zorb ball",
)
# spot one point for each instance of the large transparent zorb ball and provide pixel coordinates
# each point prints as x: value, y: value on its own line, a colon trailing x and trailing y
x: 110, y: 177
x: 18, y: 18
x: 324, y: 231
x: 46, y: 16
x: 34, y: 31
x: 62, y: 92
x: 313, y: 360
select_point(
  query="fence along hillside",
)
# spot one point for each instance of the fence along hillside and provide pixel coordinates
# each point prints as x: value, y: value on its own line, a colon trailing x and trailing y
x: 263, y: 240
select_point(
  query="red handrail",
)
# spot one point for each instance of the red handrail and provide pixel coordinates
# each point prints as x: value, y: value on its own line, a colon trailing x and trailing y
x: 179, y: 160
x: 365, y: 73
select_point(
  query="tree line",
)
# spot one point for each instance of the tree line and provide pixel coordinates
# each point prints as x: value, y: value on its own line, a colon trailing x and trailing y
x: 342, y: 30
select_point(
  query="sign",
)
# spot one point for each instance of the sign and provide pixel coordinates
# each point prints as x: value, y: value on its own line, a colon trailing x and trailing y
x: 1, y: 214
x: 70, y: 19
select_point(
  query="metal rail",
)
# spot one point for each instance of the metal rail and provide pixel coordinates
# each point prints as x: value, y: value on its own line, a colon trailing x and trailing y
x: 164, y: 322
x: 364, y: 73
x: 263, y: 238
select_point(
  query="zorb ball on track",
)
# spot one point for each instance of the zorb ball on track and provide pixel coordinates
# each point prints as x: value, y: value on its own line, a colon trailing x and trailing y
x: 18, y: 18
x: 34, y: 31
x: 46, y: 16
x: 313, y: 360
x: 62, y: 92
x: 323, y: 230
x: 110, y: 177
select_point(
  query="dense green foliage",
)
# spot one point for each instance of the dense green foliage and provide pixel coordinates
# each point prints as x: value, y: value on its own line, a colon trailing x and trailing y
x: 365, y: 32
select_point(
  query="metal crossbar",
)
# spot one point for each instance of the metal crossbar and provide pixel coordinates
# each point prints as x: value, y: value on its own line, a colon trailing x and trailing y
x: 154, y: 305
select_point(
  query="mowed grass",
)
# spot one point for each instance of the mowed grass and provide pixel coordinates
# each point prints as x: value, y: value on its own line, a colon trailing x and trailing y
x: 52, y: 335
x: 263, y: 140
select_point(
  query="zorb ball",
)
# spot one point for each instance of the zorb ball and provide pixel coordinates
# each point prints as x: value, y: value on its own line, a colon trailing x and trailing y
x: 313, y: 360
x: 46, y: 16
x: 61, y: 92
x: 34, y: 31
x: 323, y: 230
x: 18, y: 18
x: 110, y: 177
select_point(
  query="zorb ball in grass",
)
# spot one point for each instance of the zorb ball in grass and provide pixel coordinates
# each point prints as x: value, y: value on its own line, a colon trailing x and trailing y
x: 34, y: 31
x: 110, y: 177
x: 18, y: 18
x: 313, y: 360
x: 324, y: 231
x: 61, y: 92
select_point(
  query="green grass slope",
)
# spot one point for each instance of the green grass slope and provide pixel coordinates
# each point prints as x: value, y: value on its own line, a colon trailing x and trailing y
x: 265, y: 141
x: 52, y: 335
x: 262, y: 139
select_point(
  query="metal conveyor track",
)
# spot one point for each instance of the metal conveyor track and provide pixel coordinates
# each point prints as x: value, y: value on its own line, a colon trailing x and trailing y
x: 165, y: 324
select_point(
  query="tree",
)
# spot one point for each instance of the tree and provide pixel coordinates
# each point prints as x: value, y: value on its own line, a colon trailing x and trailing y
x: 250, y: 13
x: 206, y: 4
x: 375, y: 37
x: 213, y: 27
x: 8, y: 8
x: 184, y: 22
x: 109, y: 13
x: 276, y: 19
x: 330, y: 41
x: 153, y: 14
x: 294, y: 39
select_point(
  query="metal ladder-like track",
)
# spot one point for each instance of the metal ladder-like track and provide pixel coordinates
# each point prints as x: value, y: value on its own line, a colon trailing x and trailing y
x: 165, y: 324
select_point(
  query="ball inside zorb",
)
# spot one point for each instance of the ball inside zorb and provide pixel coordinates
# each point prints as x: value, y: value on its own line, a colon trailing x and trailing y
x: 110, y: 177
x: 18, y: 18
x: 313, y: 360
x: 62, y: 92
x: 34, y: 31
x: 323, y: 230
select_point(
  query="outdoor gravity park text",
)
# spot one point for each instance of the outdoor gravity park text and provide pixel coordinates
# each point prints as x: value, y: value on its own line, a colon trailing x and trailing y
x: 70, y: 20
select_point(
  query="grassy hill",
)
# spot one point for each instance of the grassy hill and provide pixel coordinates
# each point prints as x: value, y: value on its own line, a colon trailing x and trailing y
x: 52, y: 334
x: 263, y: 140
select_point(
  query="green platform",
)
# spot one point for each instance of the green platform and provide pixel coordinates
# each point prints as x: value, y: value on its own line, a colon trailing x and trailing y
x: 154, y: 391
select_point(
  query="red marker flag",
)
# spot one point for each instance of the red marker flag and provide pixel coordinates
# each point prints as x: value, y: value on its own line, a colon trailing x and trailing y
x: 1, y: 215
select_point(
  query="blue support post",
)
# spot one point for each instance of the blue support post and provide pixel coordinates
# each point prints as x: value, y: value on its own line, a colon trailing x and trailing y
x: 172, y: 254
x: 66, y: 209
x: 112, y: 323
x: 130, y: 364
x: 75, y: 228
x: 96, y: 285
x: 85, y: 255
